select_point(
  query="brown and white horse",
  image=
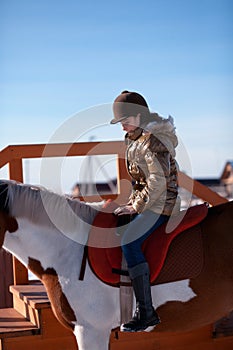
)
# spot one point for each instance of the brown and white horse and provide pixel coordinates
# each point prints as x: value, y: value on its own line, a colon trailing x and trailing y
x: 47, y: 233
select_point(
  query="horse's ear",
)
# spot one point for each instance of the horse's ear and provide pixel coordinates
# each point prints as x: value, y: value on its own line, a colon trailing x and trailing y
x: 11, y: 224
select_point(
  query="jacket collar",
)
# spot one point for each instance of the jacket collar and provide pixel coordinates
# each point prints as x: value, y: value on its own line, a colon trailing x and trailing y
x: 134, y: 135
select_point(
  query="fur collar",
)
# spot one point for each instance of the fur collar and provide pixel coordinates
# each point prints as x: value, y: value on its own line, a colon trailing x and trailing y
x: 164, y: 131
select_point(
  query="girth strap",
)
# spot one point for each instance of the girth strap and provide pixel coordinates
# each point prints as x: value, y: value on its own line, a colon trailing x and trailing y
x: 84, y: 263
x: 126, y: 295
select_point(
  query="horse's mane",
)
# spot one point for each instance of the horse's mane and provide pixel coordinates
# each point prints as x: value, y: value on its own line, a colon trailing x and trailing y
x: 46, y: 208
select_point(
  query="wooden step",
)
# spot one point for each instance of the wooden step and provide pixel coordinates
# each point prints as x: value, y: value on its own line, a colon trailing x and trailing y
x: 13, y: 324
x: 37, y: 342
x: 32, y: 302
x: 29, y: 300
x: 33, y: 295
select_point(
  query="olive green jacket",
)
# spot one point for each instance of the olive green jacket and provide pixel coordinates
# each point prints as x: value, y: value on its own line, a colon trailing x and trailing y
x: 151, y: 163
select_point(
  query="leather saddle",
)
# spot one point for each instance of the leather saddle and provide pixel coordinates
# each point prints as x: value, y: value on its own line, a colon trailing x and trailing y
x: 174, y: 252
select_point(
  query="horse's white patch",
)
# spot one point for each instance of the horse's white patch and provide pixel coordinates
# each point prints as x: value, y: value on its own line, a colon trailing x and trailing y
x: 173, y: 291
x: 64, y: 281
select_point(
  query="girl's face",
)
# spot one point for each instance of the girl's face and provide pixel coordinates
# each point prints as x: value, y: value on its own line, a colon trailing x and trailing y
x: 131, y: 123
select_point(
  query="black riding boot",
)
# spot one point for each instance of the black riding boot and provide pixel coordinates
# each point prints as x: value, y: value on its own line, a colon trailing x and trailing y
x: 145, y: 318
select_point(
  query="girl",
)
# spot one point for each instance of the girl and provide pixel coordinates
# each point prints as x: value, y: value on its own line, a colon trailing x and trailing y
x: 151, y: 142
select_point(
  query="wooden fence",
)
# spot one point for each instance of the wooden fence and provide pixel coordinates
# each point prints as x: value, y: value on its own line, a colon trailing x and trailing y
x: 14, y: 156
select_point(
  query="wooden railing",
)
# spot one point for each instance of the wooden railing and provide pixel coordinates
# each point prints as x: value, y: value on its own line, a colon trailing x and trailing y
x: 14, y: 155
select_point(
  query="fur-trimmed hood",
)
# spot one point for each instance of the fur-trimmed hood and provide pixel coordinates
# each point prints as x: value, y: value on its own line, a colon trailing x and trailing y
x: 164, y: 130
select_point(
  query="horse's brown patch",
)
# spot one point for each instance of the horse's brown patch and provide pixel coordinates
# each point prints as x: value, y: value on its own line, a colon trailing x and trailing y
x: 213, y: 287
x: 7, y: 223
x: 60, y: 305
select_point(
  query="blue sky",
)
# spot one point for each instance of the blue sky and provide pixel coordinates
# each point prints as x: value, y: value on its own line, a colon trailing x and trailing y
x: 61, y: 57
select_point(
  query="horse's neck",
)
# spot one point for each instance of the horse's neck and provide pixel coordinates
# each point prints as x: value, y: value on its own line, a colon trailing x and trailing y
x: 51, y: 229
x: 30, y: 201
x: 49, y: 210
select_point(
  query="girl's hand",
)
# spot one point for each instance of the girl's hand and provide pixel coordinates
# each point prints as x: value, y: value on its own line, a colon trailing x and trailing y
x: 126, y: 209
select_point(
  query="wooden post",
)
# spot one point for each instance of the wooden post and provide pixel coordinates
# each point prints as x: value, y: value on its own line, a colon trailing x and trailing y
x: 20, y: 273
x: 6, y: 279
x: 124, y: 181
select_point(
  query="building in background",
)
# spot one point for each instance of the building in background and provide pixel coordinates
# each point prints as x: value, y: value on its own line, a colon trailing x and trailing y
x: 226, y: 179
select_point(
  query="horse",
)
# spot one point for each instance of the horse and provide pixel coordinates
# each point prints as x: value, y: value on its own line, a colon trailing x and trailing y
x: 47, y: 232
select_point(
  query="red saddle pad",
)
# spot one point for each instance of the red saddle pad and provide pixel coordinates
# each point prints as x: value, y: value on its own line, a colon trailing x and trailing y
x: 105, y: 254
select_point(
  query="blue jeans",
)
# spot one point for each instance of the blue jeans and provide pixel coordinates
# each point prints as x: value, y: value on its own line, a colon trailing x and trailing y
x: 137, y: 231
